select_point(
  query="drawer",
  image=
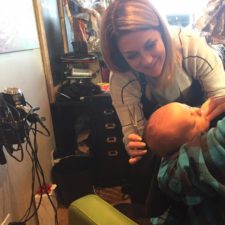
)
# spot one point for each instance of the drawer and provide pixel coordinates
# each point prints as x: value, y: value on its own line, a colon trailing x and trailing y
x: 108, y: 112
x: 107, y: 127
x: 112, y: 152
x: 106, y: 115
x: 103, y: 148
x: 111, y: 140
x: 112, y: 165
x: 110, y: 126
x: 112, y: 135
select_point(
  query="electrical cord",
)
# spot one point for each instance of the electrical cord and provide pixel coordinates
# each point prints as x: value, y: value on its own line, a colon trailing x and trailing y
x: 13, y: 124
x: 35, y: 170
x: 29, y: 123
x: 38, y: 171
x: 10, y: 151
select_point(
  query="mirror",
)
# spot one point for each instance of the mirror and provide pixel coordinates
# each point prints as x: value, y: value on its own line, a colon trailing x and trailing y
x: 73, y: 26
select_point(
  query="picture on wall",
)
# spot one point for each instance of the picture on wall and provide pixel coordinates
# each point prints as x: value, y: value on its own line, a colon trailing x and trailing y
x: 18, y: 30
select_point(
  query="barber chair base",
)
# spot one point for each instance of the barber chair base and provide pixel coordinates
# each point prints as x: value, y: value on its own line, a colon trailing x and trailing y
x: 136, y: 212
x: 92, y: 210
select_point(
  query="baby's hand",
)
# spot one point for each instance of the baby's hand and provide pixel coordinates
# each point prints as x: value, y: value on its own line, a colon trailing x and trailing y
x: 136, y: 148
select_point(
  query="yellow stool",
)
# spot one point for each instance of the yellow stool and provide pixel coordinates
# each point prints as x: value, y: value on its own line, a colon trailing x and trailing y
x: 92, y: 210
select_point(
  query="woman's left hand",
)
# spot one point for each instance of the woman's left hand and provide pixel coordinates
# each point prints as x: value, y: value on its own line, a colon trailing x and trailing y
x: 213, y: 107
x: 136, y: 148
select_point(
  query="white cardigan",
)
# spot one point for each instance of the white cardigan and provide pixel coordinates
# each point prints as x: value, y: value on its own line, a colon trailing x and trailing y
x: 200, y: 61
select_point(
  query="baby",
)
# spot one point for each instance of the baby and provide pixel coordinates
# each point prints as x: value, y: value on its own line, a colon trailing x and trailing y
x: 192, y: 166
x: 171, y: 126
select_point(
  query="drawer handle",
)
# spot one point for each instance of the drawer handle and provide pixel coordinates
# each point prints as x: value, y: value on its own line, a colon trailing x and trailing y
x: 111, y: 139
x: 110, y: 125
x: 108, y: 111
x: 113, y: 153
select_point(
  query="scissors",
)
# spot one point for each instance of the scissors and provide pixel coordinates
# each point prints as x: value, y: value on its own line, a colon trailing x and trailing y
x: 133, y: 119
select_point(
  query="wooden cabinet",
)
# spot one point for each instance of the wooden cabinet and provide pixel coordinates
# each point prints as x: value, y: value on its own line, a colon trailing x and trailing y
x: 103, y: 136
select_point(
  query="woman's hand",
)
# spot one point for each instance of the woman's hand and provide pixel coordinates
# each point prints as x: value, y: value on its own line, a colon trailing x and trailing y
x: 213, y: 107
x: 135, y: 148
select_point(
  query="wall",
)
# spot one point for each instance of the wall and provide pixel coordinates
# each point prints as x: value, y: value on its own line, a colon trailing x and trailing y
x: 24, y: 69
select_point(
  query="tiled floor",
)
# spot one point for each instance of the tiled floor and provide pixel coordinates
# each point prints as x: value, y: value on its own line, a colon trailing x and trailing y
x: 62, y: 216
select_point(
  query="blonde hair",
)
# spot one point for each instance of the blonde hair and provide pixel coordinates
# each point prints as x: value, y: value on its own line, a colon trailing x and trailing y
x: 124, y: 16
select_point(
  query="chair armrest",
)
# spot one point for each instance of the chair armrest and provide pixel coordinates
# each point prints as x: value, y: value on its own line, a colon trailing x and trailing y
x: 92, y: 210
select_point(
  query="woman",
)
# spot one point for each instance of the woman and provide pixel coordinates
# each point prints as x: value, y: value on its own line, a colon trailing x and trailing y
x: 152, y: 66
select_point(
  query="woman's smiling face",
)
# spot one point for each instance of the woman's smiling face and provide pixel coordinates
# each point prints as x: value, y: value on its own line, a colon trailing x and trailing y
x: 144, y: 51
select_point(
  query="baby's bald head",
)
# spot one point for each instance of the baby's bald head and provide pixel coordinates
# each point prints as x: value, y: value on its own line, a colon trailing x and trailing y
x: 171, y: 126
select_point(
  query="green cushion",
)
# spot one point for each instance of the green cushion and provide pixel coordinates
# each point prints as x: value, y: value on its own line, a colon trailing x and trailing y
x: 91, y: 209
